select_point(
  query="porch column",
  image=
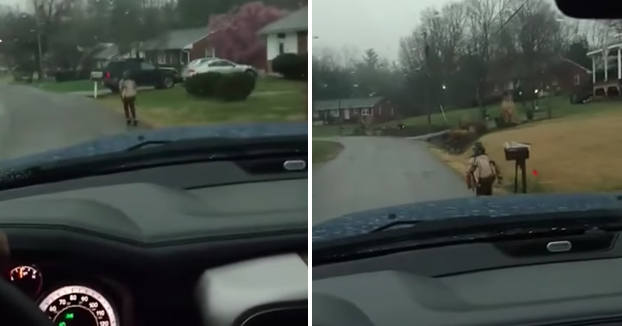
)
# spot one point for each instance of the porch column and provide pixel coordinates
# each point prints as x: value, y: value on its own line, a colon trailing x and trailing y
x: 605, y: 58
x: 593, y: 69
x: 619, y: 63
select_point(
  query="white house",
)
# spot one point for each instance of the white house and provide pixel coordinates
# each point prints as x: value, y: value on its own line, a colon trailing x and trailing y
x: 286, y: 35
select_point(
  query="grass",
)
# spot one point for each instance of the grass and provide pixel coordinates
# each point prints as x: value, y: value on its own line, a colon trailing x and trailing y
x: 576, y: 153
x: 324, y: 151
x: 274, y: 100
x: 66, y: 87
x: 560, y: 107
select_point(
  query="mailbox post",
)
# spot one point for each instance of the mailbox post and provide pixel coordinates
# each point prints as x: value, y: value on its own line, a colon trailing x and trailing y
x: 96, y: 77
x: 519, y: 153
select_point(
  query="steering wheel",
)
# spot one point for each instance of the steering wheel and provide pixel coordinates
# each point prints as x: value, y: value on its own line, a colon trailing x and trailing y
x: 18, y: 309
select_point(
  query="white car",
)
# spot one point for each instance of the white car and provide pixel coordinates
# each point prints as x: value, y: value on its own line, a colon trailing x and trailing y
x: 205, y: 65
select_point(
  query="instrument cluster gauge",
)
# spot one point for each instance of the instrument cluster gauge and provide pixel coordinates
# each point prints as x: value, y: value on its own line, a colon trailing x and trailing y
x: 77, y: 305
x: 27, y: 278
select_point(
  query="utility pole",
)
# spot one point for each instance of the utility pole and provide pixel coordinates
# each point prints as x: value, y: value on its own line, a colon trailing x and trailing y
x: 38, y: 13
x: 426, y: 53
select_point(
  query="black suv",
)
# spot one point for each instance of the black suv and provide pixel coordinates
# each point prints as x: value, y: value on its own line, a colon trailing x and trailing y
x: 143, y: 72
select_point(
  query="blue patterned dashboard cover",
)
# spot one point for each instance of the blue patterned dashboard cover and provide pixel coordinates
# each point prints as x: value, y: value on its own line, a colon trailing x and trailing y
x: 497, y: 206
x: 120, y: 142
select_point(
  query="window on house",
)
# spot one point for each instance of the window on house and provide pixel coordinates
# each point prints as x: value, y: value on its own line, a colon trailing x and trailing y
x: 210, y: 52
x: 334, y: 113
x: 366, y: 111
x: 161, y: 58
x: 577, y: 79
x: 379, y: 110
x: 280, y: 35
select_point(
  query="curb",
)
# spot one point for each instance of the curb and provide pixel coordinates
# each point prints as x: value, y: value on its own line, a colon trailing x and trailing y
x: 424, y: 137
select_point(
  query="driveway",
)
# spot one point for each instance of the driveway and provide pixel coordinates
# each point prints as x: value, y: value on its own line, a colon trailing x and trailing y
x: 375, y: 172
x: 32, y: 120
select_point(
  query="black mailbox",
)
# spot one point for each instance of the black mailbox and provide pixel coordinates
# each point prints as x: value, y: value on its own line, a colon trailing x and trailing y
x: 516, y: 151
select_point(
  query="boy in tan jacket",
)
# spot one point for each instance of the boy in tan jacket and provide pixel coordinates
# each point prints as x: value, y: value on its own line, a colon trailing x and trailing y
x: 482, y: 172
x: 128, y: 89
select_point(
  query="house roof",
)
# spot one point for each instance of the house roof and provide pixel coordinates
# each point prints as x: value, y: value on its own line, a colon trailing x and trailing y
x: 347, y: 103
x: 106, y: 51
x: 296, y: 21
x: 176, y: 40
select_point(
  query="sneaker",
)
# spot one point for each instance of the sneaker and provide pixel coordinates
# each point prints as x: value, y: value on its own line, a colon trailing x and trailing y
x: 128, y: 122
x: 135, y: 122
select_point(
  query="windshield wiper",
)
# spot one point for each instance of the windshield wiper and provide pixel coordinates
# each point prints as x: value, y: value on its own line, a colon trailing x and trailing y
x: 165, y: 153
x: 147, y: 143
x: 398, y: 235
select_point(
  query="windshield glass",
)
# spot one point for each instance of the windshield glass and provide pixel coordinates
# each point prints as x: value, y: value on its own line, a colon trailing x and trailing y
x: 83, y: 71
x: 452, y: 100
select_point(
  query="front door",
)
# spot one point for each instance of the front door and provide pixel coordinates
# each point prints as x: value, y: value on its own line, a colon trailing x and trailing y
x: 346, y: 114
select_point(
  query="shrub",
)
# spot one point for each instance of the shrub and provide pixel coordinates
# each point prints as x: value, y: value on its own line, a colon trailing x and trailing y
x: 227, y: 87
x: 478, y: 127
x: 457, y: 141
x: 235, y: 87
x: 291, y: 66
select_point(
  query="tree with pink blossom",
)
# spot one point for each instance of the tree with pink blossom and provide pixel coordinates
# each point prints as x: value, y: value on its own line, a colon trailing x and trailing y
x: 234, y: 35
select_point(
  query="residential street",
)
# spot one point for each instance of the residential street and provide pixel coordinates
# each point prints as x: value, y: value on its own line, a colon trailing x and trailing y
x: 32, y: 120
x: 375, y: 172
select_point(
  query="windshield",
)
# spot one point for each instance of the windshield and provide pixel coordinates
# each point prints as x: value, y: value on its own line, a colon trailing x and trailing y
x: 467, y: 101
x: 91, y: 72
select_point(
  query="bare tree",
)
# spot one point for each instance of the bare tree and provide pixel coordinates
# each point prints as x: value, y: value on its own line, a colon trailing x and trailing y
x: 485, y: 20
x: 540, y: 43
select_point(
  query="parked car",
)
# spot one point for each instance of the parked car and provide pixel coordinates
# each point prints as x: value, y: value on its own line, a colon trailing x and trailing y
x: 143, y: 72
x: 205, y: 65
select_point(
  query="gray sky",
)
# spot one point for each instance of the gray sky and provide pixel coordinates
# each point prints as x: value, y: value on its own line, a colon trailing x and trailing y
x: 364, y: 24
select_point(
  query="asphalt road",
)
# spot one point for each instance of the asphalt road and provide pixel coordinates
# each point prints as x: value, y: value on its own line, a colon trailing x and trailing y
x: 32, y: 120
x: 375, y: 172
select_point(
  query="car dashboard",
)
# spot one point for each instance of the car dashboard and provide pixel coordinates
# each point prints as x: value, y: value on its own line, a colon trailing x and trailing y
x: 162, y: 246
x: 71, y: 294
x: 476, y: 284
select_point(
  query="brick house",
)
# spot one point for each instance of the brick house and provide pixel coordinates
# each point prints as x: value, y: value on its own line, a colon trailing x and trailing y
x: 177, y: 47
x: 557, y: 74
x: 353, y: 110
x: 286, y: 35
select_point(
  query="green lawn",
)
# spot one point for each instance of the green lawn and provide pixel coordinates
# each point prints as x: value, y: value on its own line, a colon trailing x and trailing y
x: 273, y: 100
x: 66, y: 87
x: 560, y: 107
x: 324, y: 151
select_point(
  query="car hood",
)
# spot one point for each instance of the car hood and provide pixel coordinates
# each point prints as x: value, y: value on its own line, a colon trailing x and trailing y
x: 497, y: 206
x: 116, y: 143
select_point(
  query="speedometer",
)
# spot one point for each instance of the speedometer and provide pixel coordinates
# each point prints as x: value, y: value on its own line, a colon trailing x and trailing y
x: 77, y: 305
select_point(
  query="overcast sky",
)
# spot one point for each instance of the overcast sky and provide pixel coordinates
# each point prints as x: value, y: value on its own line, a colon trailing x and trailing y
x: 364, y: 24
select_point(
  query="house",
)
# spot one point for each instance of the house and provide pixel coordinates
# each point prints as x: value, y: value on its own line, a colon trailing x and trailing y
x: 353, y: 110
x: 605, y: 60
x: 102, y: 54
x: 286, y: 35
x: 556, y: 74
x: 177, y: 47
